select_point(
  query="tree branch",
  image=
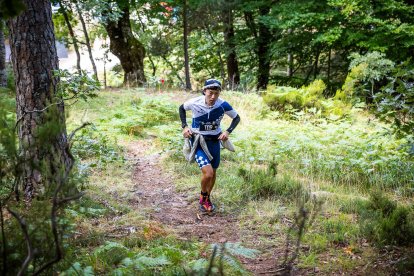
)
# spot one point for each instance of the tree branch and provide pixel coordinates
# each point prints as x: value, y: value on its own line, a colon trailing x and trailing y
x: 70, y: 137
x: 53, y: 219
x: 70, y: 198
x: 30, y: 251
x: 211, y: 264
x: 3, y: 238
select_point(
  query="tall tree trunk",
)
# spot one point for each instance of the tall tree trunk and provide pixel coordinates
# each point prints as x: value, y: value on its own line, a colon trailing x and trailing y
x: 154, y: 67
x: 3, y: 72
x: 34, y: 59
x: 289, y: 71
x: 316, y: 66
x: 87, y: 40
x: 127, y: 48
x: 186, y: 59
x: 263, y: 47
x: 329, y: 69
x: 71, y: 33
x: 233, y: 73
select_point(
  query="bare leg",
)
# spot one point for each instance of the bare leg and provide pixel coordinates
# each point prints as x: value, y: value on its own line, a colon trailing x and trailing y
x: 208, y: 177
x: 213, y: 181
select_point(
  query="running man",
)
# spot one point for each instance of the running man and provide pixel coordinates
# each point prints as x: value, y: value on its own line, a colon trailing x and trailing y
x: 208, y: 111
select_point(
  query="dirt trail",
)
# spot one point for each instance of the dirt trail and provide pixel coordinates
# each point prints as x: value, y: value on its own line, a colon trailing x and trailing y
x: 178, y: 212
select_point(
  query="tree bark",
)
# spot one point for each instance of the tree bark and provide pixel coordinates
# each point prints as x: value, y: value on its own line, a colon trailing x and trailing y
x: 263, y: 38
x: 316, y: 66
x: 329, y: 69
x: 42, y: 135
x: 186, y: 58
x: 127, y: 48
x: 263, y: 41
x: 233, y: 73
x: 87, y: 40
x: 72, y: 34
x: 289, y: 71
x: 3, y: 72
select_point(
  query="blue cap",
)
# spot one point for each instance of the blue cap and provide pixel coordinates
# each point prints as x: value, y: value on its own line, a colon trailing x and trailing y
x: 212, y: 84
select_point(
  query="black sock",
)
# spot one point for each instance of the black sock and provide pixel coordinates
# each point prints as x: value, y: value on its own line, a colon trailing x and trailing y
x: 204, y: 194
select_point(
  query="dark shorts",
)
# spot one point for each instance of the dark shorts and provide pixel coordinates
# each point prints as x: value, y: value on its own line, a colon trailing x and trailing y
x: 213, y: 146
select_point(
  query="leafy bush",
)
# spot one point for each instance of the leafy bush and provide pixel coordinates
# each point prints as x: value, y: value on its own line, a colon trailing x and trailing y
x: 309, y: 98
x: 369, y: 69
x: 385, y: 222
x: 395, y: 102
x: 77, y: 85
x: 282, y: 96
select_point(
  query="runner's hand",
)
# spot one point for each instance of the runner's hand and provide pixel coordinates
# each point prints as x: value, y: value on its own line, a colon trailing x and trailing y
x: 187, y: 132
x: 224, y: 136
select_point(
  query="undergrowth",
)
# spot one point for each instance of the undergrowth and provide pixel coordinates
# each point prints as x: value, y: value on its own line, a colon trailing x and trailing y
x: 279, y: 159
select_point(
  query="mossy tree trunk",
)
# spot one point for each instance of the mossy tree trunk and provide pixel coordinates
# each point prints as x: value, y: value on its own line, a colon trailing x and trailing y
x: 127, y: 48
x: 42, y: 133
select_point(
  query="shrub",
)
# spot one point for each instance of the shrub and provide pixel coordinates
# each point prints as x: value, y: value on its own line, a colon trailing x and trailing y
x: 307, y: 98
x: 387, y: 223
x: 373, y: 67
x: 395, y: 102
x: 282, y: 96
x: 313, y: 93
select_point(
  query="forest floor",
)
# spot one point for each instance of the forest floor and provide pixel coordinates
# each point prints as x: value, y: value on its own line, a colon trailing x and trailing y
x: 178, y: 210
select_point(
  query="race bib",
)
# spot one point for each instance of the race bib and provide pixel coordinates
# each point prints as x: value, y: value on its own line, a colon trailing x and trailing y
x: 208, y: 126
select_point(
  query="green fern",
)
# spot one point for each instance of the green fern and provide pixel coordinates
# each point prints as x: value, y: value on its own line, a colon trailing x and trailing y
x: 224, y: 255
x: 142, y: 263
x: 111, y: 252
x: 198, y: 266
x: 236, y: 249
x: 233, y: 263
x: 77, y: 269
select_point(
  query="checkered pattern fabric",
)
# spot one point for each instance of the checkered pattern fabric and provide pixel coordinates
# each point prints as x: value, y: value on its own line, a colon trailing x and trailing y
x: 202, y: 160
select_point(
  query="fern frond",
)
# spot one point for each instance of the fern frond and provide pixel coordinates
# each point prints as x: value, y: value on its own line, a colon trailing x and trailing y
x: 233, y: 263
x: 236, y: 249
x: 152, y: 262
